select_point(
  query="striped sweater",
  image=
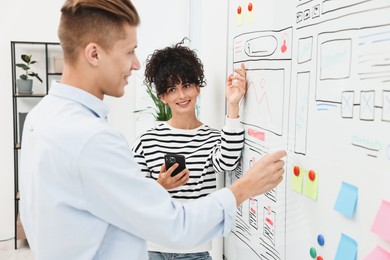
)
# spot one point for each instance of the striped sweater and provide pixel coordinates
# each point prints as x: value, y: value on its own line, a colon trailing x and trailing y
x: 207, y: 151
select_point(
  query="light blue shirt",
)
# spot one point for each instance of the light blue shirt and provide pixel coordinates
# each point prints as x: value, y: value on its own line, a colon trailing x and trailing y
x: 82, y: 193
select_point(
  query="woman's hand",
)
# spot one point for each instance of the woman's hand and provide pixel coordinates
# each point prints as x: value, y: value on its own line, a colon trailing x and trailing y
x: 168, y: 182
x: 235, y: 89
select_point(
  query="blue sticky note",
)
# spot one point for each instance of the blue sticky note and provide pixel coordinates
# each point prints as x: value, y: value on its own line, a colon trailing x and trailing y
x: 346, y: 200
x: 347, y: 249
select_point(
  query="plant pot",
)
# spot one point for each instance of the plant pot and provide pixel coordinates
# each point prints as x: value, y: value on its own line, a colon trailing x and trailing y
x: 24, y: 86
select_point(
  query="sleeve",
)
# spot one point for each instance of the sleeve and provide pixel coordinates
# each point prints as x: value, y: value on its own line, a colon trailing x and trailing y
x: 117, y: 193
x: 139, y: 157
x: 227, y: 152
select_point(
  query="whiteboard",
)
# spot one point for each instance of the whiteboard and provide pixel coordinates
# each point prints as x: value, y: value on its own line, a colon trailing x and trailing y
x: 318, y: 74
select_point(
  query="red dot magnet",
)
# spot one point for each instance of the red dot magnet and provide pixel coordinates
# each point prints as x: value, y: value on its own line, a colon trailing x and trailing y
x: 312, y: 175
x: 239, y: 10
x: 250, y: 7
x: 320, y: 258
x: 296, y: 171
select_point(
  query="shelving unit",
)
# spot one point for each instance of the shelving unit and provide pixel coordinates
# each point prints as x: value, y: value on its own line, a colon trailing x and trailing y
x: 44, y: 53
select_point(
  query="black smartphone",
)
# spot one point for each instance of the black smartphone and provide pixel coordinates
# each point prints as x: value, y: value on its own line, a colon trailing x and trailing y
x: 171, y: 159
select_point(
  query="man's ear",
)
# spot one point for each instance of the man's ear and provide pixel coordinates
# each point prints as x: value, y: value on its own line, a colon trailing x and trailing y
x: 91, y: 53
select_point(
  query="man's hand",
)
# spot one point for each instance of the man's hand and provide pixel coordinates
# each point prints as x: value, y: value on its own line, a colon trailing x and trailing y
x: 263, y: 176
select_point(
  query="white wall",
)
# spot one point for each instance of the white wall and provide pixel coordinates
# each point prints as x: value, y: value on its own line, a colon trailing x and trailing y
x: 163, y: 23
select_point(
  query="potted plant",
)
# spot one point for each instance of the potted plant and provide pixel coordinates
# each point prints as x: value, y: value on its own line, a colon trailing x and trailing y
x: 161, y: 111
x: 24, y: 84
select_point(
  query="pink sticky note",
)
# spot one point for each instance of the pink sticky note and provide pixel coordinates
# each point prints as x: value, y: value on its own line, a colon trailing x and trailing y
x: 381, y: 225
x: 378, y: 254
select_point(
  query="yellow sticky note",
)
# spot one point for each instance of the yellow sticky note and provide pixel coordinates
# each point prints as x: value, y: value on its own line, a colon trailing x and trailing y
x: 311, y: 184
x: 249, y: 17
x: 239, y: 20
x: 297, y: 179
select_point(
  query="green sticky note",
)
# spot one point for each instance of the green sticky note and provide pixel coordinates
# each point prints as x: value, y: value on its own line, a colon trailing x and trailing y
x: 297, y: 181
x: 311, y: 185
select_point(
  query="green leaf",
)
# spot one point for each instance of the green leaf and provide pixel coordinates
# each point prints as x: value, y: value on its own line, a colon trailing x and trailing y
x: 26, y: 58
x: 33, y: 74
x: 162, y: 112
x: 23, y: 66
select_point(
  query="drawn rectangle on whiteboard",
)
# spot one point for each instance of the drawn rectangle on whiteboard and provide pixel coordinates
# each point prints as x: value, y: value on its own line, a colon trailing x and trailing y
x: 386, y: 106
x: 301, y: 111
x: 332, y: 6
x: 305, y: 49
x: 264, y: 101
x: 367, y: 102
x: 335, y: 59
x: 269, y: 219
x: 347, y: 99
x: 253, y: 213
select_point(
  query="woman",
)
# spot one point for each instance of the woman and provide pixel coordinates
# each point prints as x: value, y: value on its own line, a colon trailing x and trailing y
x: 177, y: 75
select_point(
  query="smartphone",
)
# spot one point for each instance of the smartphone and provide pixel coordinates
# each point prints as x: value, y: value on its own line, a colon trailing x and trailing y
x: 171, y: 159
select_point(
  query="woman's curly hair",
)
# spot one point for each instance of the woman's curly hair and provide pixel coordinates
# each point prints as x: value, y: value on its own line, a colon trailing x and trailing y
x: 167, y: 67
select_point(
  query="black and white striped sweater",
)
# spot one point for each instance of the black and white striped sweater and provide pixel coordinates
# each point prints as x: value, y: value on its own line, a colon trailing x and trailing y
x: 207, y: 151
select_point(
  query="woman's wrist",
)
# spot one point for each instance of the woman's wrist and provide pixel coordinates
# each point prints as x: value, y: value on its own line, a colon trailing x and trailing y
x: 233, y: 111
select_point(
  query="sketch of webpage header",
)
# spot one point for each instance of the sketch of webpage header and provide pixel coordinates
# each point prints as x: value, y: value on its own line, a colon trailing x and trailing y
x: 260, y: 45
x: 348, y: 6
x: 312, y: 13
x: 354, y: 60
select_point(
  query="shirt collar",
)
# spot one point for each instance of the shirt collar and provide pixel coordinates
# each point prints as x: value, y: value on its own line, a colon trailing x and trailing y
x: 94, y: 104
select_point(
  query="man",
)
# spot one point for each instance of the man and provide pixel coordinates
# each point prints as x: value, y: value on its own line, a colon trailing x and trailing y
x: 82, y: 194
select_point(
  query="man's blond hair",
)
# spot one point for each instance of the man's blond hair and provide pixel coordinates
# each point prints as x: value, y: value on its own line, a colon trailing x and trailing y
x: 98, y: 21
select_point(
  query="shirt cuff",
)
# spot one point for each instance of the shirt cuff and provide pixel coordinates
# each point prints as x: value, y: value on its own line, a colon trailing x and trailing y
x: 233, y: 124
x: 228, y: 202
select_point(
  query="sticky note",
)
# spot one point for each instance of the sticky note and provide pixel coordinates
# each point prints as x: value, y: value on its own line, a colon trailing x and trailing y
x: 381, y: 225
x: 239, y: 18
x: 311, y: 185
x: 346, y: 200
x: 378, y: 254
x: 347, y: 249
x: 249, y: 17
x: 297, y: 181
